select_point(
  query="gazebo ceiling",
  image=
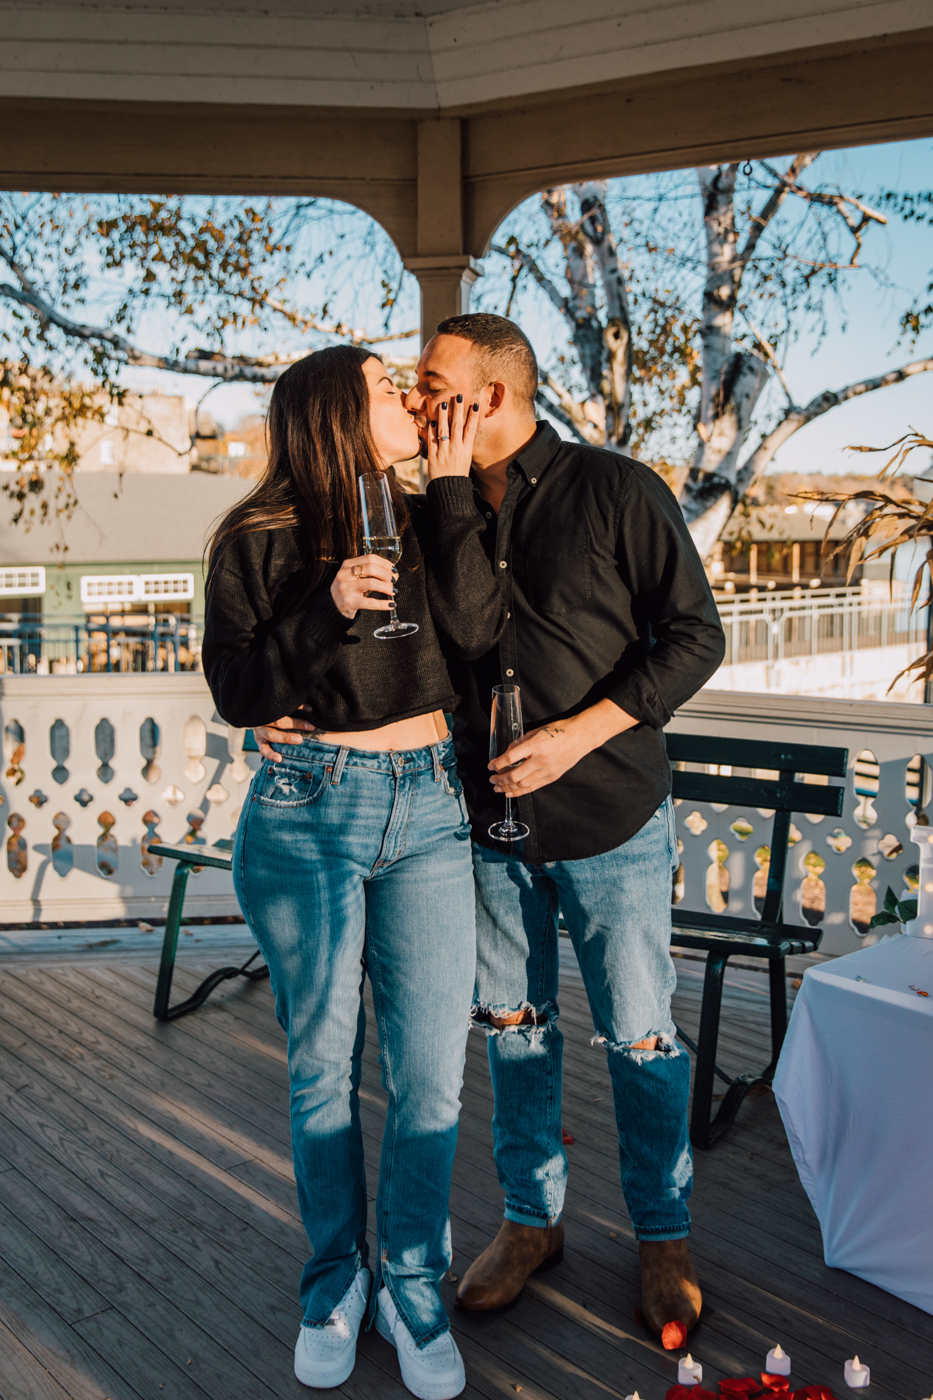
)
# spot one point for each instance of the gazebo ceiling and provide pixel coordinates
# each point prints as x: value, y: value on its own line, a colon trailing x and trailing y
x: 399, y: 54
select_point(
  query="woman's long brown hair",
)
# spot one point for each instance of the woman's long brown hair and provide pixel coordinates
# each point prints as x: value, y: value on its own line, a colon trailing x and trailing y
x: 319, y: 442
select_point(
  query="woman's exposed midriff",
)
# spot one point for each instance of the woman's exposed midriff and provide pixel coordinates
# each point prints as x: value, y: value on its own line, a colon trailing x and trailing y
x: 416, y: 733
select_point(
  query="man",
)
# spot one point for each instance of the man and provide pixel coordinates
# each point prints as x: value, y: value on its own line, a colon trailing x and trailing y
x: 611, y: 627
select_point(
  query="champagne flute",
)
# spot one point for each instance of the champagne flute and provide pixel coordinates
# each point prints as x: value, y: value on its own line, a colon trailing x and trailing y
x: 380, y: 536
x: 505, y: 728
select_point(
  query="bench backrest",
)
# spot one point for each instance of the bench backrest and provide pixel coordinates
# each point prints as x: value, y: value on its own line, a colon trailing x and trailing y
x: 784, y: 795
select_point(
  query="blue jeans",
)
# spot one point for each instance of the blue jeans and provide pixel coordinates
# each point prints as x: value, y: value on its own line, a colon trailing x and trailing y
x: 350, y: 863
x: 617, y: 908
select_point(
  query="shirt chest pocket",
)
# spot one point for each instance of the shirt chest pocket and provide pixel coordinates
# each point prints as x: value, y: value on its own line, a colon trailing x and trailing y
x: 558, y: 573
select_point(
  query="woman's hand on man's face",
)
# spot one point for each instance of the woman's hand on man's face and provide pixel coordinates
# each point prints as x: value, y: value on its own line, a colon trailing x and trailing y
x: 450, y: 438
x: 280, y: 731
x: 356, y: 578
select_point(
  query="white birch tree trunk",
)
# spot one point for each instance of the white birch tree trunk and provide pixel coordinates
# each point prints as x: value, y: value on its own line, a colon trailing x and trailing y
x: 617, y: 331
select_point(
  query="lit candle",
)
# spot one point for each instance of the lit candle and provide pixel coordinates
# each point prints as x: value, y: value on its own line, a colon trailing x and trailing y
x: 636, y: 1396
x: 689, y: 1372
x: 856, y: 1374
x: 778, y: 1362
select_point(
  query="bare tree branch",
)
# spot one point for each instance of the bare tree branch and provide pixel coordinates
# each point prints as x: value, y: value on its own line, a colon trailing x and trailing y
x: 572, y: 414
x: 707, y: 527
x: 518, y: 254
x: 232, y: 368
x: 768, y: 351
x: 557, y: 412
x: 759, y: 222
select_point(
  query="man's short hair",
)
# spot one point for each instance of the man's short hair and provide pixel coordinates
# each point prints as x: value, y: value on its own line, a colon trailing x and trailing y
x: 503, y: 351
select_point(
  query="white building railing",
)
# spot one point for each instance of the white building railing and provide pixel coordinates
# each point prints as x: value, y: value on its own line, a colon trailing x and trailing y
x: 780, y: 626
x: 94, y: 766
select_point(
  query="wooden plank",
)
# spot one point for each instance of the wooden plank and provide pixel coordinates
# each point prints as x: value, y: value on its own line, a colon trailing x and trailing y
x: 20, y: 1375
x: 59, y: 1351
x: 43, y: 1268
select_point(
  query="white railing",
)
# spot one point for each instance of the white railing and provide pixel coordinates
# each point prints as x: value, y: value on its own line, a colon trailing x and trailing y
x: 776, y: 627
x: 95, y: 765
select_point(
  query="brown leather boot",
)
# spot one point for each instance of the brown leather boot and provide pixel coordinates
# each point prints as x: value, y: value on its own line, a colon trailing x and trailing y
x: 497, y: 1277
x: 670, y: 1290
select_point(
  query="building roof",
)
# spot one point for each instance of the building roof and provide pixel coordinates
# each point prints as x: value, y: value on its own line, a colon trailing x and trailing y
x: 131, y: 519
x: 777, y: 524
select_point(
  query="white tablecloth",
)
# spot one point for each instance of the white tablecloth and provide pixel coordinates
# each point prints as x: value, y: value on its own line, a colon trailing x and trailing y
x: 855, y: 1088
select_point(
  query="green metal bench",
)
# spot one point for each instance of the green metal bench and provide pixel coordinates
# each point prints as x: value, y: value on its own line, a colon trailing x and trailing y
x: 219, y: 857
x: 722, y: 936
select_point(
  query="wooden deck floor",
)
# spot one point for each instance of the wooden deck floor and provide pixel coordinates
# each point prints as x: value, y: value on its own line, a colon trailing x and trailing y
x: 150, y: 1244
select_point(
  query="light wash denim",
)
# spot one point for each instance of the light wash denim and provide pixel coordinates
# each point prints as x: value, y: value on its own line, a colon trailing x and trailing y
x: 348, y: 864
x: 617, y: 908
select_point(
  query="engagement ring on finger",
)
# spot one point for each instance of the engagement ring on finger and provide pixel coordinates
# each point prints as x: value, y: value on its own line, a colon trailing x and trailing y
x: 357, y: 571
x: 444, y: 437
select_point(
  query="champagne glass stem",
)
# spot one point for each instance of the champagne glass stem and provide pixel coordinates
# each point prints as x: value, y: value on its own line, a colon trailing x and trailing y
x: 508, y: 814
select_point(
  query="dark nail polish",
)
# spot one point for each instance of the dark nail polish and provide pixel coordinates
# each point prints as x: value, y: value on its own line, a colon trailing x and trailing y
x: 433, y: 422
x: 443, y: 405
x: 459, y: 398
x: 476, y: 408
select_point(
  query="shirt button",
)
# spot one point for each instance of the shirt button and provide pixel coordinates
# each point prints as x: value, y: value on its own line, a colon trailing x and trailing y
x: 489, y: 515
x: 534, y: 481
x: 507, y: 616
x: 503, y: 564
x: 510, y: 673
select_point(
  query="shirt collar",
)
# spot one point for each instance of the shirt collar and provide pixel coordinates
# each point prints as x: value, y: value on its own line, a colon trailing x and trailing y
x: 536, y: 457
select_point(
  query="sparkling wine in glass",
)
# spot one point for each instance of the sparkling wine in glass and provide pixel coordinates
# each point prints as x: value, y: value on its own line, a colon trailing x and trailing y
x: 381, y: 536
x: 505, y: 728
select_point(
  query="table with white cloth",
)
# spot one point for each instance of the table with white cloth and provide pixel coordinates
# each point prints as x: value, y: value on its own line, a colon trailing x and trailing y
x: 854, y: 1085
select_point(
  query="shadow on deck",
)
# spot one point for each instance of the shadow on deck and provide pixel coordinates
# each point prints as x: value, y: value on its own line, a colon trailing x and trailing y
x: 150, y: 1244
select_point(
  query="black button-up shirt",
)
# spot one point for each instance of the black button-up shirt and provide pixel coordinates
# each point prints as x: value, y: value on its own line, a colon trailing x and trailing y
x: 607, y: 598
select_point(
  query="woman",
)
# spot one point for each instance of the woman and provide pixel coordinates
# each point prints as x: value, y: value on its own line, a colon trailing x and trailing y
x: 352, y: 853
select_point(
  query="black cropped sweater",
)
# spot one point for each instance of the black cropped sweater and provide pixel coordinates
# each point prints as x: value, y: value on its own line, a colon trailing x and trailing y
x: 266, y: 653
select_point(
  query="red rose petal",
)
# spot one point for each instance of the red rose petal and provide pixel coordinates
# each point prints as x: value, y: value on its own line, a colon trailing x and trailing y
x: 746, y: 1385
x: 565, y: 1137
x: 689, y: 1392
x: 774, y: 1383
x: 674, y: 1336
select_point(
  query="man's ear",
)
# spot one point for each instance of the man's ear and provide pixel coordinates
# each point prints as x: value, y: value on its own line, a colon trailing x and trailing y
x: 497, y: 397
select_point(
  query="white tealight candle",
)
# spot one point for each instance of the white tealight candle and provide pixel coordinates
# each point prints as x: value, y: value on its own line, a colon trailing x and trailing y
x: 778, y: 1362
x: 636, y: 1396
x: 856, y: 1374
x: 689, y: 1372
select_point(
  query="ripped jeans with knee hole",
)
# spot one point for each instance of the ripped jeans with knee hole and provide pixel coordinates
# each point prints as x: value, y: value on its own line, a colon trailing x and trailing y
x: 617, y: 908
x: 347, y: 864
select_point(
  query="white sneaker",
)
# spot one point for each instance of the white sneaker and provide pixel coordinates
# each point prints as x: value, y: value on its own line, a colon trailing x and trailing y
x: 434, y: 1372
x: 325, y: 1356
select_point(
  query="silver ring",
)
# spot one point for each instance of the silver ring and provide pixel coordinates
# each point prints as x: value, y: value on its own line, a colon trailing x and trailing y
x: 444, y: 437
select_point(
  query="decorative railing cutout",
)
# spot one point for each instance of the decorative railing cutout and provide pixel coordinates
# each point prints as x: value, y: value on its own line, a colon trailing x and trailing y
x: 150, y: 747
x: 863, y: 902
x: 63, y: 855
x: 14, y: 751
x: 108, y: 852
x: 17, y: 857
x: 104, y: 747
x: 60, y: 749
